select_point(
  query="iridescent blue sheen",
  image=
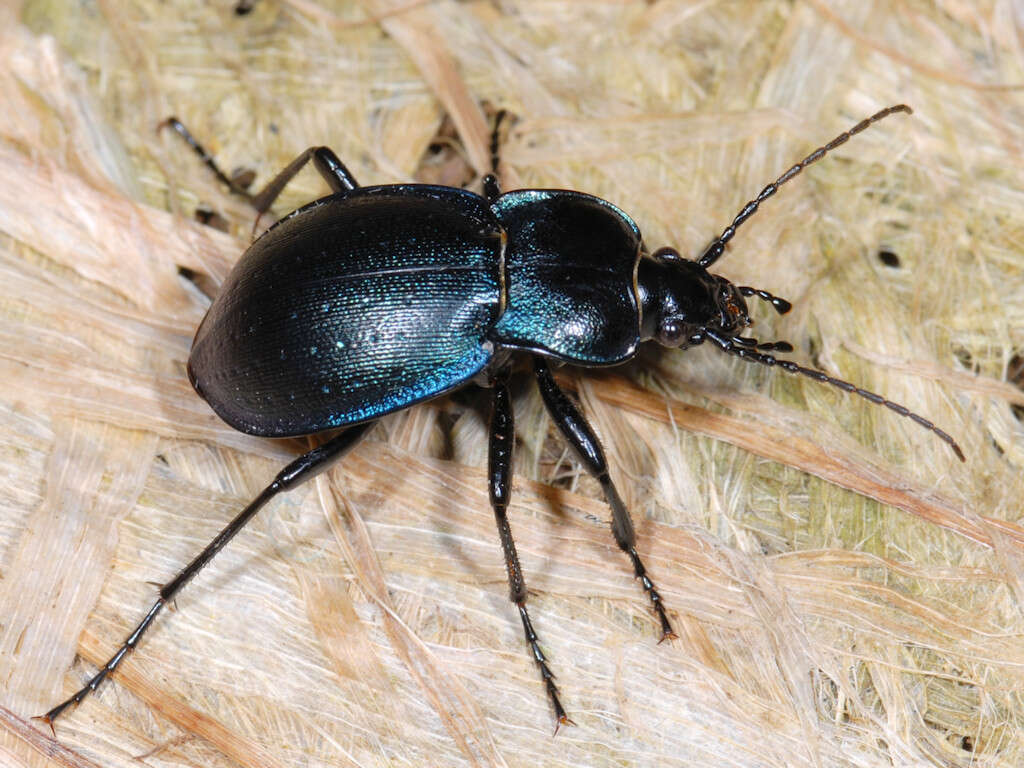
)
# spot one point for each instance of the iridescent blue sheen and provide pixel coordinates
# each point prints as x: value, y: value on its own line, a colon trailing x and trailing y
x: 571, y: 263
x: 369, y: 301
x: 355, y: 306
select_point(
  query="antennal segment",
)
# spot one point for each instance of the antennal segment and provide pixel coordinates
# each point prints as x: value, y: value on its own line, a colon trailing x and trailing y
x: 778, y: 304
x: 717, y: 248
x: 750, y: 353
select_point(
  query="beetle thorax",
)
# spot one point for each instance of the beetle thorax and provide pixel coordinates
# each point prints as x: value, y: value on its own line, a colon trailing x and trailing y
x: 680, y: 300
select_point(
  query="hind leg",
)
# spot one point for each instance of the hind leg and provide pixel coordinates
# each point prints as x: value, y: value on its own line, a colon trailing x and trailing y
x: 492, y: 190
x: 327, y: 164
x: 305, y: 467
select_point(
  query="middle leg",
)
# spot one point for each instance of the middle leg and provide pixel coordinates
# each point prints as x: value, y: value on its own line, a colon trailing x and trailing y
x: 579, y: 434
x: 499, y: 476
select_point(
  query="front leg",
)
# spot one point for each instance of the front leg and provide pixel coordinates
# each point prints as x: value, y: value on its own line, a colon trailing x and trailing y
x: 579, y: 434
x: 499, y: 476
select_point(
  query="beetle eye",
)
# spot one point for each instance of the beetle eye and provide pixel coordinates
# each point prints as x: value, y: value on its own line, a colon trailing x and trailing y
x: 671, y: 332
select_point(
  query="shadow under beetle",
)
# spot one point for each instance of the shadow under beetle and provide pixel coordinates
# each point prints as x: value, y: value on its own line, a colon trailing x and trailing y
x: 372, y: 299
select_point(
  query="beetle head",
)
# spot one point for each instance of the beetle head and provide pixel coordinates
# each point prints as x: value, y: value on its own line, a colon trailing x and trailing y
x: 683, y: 305
x: 682, y: 301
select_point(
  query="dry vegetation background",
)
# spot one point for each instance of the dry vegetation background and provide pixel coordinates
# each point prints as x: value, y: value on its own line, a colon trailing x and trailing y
x: 846, y: 592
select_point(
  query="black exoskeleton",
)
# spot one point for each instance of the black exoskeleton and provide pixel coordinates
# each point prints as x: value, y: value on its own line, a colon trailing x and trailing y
x: 373, y: 299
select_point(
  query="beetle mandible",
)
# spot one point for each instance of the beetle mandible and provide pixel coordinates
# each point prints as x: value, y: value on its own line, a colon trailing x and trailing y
x: 373, y: 299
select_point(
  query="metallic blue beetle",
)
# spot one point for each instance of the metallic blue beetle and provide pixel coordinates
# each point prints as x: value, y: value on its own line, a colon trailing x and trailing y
x: 373, y: 299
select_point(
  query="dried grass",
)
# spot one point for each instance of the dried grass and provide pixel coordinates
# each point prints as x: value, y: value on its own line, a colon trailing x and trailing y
x: 853, y: 600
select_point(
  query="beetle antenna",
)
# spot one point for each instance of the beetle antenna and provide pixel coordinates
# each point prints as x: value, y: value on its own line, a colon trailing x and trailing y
x: 778, y: 304
x: 717, y: 248
x: 749, y: 352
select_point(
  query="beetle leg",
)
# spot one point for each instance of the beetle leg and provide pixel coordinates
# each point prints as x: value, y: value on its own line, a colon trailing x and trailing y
x: 579, y: 434
x: 492, y: 190
x: 499, y: 476
x: 179, y: 128
x: 327, y: 164
x: 301, y: 469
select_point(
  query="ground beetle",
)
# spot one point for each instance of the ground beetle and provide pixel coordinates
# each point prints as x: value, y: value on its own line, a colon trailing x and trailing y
x: 372, y: 299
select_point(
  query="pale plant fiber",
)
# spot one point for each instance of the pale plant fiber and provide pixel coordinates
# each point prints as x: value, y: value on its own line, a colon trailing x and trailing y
x: 363, y: 619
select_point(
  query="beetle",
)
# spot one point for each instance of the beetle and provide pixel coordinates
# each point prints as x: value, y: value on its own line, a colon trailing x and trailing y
x: 372, y: 299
